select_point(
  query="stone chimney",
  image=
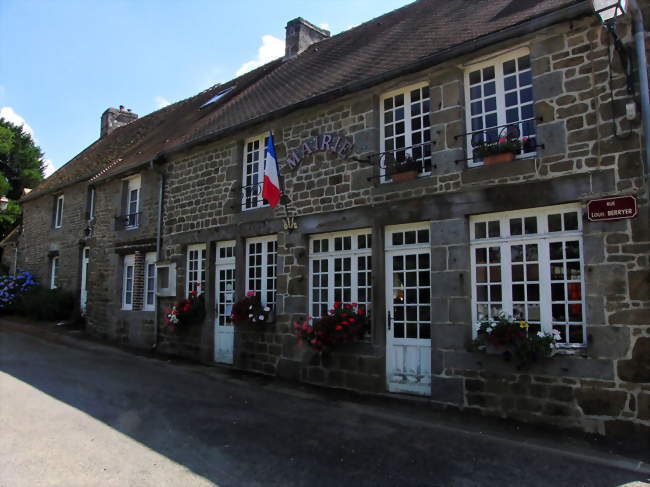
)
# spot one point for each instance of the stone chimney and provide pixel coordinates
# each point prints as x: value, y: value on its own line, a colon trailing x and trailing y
x: 115, y: 117
x: 300, y: 35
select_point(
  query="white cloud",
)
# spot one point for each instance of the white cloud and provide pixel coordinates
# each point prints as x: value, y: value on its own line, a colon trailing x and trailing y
x: 48, y: 167
x: 10, y: 115
x: 325, y: 26
x: 161, y: 101
x: 271, y: 48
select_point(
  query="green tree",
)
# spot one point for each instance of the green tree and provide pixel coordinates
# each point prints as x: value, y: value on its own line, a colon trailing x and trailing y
x: 21, y: 166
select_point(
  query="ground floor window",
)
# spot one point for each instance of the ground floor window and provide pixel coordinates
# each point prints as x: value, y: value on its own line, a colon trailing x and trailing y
x: 261, y: 273
x: 195, y: 269
x: 529, y: 264
x: 54, y: 272
x: 150, y: 281
x: 340, y: 270
x: 127, y: 282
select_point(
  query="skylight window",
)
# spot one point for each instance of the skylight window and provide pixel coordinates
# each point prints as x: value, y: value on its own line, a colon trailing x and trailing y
x: 218, y: 96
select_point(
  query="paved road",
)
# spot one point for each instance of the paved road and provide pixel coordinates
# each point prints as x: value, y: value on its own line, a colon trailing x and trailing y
x: 91, y: 415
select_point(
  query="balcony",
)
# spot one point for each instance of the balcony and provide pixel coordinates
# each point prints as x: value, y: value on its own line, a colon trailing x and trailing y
x: 128, y: 222
x: 251, y: 196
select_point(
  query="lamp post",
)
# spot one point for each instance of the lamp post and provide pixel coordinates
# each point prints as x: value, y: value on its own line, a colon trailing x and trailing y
x: 4, y: 202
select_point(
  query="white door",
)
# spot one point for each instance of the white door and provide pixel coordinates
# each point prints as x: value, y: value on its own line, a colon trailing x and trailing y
x: 85, y: 259
x: 224, y: 334
x: 408, y: 309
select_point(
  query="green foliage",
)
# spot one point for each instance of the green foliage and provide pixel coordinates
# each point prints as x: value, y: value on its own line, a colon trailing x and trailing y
x: 21, y: 166
x: 46, y: 304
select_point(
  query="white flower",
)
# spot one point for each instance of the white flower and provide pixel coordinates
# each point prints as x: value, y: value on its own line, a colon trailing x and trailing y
x: 260, y: 317
x: 267, y: 309
x: 541, y: 334
x: 250, y: 315
x: 488, y: 330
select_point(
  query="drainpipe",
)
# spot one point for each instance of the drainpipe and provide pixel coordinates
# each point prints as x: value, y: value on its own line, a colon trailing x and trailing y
x: 639, y: 39
x: 155, y: 165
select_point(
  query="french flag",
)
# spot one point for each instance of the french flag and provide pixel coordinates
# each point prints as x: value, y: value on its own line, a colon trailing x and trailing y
x: 271, y: 186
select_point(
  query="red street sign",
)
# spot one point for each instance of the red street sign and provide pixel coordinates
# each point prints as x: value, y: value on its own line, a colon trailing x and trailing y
x: 613, y: 208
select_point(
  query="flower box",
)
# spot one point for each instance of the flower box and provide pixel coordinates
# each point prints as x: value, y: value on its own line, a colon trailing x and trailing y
x: 404, y: 176
x: 498, y: 158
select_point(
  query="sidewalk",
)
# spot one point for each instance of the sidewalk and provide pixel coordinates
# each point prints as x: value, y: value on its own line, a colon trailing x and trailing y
x: 415, y: 412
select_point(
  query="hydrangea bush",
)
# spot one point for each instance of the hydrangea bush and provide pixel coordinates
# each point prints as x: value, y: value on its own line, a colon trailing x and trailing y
x: 14, y: 287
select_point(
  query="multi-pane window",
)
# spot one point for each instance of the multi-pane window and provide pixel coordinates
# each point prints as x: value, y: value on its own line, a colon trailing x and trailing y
x: 340, y: 270
x: 54, y: 272
x: 261, y: 255
x: 150, y: 281
x: 254, y: 155
x: 500, y: 102
x: 58, y: 212
x: 127, y: 282
x: 133, y: 202
x: 406, y: 127
x: 196, y: 267
x: 528, y: 264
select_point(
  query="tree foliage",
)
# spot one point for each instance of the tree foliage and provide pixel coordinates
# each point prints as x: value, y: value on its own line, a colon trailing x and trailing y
x: 21, y: 166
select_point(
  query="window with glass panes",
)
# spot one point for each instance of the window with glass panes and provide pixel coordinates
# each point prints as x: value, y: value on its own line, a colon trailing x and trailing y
x: 127, y: 282
x: 261, y: 253
x: 407, y: 126
x: 196, y: 267
x: 149, y: 281
x: 254, y: 155
x: 500, y: 102
x: 529, y: 265
x: 340, y: 270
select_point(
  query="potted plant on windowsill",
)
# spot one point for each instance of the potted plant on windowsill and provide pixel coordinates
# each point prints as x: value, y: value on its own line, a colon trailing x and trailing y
x: 250, y: 311
x: 404, y: 169
x: 503, y: 150
x: 345, y: 323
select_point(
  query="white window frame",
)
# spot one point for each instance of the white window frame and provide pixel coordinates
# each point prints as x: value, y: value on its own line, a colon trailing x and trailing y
x: 264, y: 265
x: 497, y: 60
x: 408, y: 129
x: 330, y: 255
x: 149, y: 290
x: 200, y: 270
x: 58, y: 213
x: 91, y: 203
x: 251, y: 196
x: 133, y: 185
x: 54, y: 271
x: 542, y: 238
x: 129, y: 263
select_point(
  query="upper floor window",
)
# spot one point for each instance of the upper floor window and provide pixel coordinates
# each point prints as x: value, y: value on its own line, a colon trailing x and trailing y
x: 58, y: 212
x: 406, y: 128
x: 528, y: 265
x: 150, y: 281
x: 131, y: 217
x: 54, y: 272
x: 253, y: 177
x: 261, y: 255
x: 499, y: 104
x: 196, y: 267
x: 127, y: 282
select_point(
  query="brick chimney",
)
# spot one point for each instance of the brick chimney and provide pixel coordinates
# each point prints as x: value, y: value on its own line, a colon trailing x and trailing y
x: 300, y: 35
x: 115, y: 117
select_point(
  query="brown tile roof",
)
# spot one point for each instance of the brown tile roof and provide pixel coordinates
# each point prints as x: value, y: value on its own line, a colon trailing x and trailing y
x: 379, y: 47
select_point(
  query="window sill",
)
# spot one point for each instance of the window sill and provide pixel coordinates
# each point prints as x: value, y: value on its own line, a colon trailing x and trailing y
x: 389, y: 186
x: 518, y: 167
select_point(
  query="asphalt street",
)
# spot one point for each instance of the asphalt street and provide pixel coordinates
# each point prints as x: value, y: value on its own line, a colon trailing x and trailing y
x: 84, y: 414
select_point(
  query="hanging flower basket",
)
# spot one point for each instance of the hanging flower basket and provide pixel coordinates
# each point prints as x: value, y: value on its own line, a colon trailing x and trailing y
x: 514, y: 341
x: 185, y: 312
x: 249, y: 310
x: 345, y: 323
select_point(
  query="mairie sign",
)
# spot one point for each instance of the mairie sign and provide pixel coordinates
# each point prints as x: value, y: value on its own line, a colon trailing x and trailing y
x: 613, y: 208
x: 320, y: 143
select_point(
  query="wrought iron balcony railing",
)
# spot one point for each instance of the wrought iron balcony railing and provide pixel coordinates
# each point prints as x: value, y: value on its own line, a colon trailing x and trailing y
x: 251, y: 196
x: 523, y: 131
x: 127, y: 222
x: 389, y: 161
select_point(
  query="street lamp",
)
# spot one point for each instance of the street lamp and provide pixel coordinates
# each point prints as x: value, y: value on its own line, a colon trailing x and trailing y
x: 4, y: 202
x: 609, y: 9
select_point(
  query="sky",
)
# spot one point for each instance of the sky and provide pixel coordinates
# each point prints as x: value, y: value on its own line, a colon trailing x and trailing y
x: 63, y: 62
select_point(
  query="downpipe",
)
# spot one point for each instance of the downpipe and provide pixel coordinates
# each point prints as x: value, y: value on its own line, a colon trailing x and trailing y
x: 639, y: 39
x: 156, y: 166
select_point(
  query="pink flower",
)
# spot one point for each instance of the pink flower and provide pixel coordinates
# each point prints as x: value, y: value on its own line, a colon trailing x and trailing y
x: 250, y: 293
x: 502, y: 139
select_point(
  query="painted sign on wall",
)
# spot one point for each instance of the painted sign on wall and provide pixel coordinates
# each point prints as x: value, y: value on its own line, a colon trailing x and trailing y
x: 613, y: 208
x: 341, y: 146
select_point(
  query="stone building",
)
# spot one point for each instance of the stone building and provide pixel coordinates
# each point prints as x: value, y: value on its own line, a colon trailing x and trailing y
x: 175, y: 196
